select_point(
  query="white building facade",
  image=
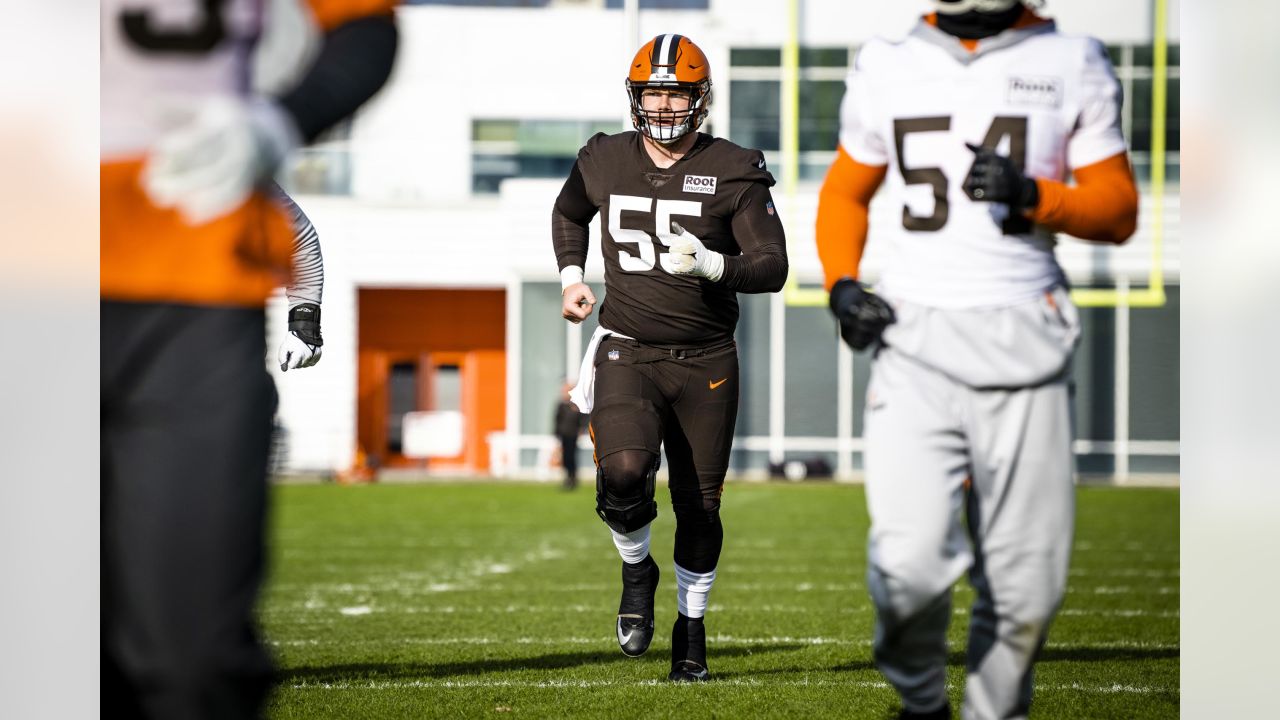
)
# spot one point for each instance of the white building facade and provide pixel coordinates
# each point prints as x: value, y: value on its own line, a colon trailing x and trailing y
x: 446, y: 181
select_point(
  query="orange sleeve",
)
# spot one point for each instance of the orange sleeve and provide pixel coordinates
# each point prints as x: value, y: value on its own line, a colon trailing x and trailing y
x: 1103, y: 205
x: 842, y: 215
x: 329, y: 14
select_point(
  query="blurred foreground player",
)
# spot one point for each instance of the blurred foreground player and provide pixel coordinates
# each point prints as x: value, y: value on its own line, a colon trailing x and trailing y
x: 192, y: 244
x: 687, y: 224
x: 975, y: 119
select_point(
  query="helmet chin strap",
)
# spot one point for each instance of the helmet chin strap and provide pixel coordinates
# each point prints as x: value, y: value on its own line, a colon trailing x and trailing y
x: 975, y: 25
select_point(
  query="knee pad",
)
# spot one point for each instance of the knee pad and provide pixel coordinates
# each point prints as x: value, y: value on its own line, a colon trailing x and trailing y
x: 625, y: 483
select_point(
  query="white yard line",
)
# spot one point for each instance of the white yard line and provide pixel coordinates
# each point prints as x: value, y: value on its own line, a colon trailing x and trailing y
x: 1071, y: 612
x: 604, y: 609
x: 605, y: 641
x: 1126, y: 572
x: 359, y: 598
x: 839, y: 587
x: 733, y: 587
x: 747, y: 682
x: 1125, y: 590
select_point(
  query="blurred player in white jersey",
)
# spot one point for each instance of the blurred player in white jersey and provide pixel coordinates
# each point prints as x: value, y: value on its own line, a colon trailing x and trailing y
x: 192, y: 243
x: 976, y: 120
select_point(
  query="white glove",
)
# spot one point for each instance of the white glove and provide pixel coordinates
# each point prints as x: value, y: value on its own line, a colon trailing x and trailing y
x: 297, y: 353
x: 690, y: 257
x: 302, y: 346
x: 220, y: 147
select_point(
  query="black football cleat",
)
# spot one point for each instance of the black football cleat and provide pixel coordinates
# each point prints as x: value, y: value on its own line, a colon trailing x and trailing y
x: 635, y: 611
x: 942, y: 713
x: 688, y: 671
x: 689, y: 651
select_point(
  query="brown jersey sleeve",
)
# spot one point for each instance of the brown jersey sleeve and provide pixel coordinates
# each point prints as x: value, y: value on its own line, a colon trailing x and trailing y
x: 762, y: 266
x: 570, y: 221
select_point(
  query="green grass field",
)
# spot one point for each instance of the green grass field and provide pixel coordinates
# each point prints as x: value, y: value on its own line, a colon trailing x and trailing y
x: 497, y: 600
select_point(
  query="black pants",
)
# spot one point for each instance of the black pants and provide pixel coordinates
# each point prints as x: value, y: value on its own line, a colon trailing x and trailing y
x: 569, y: 459
x: 647, y: 398
x: 186, y: 412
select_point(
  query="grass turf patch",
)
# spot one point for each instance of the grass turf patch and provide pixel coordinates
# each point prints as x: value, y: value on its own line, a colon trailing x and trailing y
x: 491, y: 599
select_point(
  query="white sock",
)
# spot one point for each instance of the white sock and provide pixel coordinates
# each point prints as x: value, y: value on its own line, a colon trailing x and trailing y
x: 692, y: 590
x: 634, y: 546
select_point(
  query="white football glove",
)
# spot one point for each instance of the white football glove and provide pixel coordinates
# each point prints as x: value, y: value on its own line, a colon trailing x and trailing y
x: 302, y: 346
x: 690, y: 257
x: 297, y: 353
x: 220, y: 147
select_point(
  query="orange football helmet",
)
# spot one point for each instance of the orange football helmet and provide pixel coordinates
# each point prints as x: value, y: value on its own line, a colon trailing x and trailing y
x: 670, y: 62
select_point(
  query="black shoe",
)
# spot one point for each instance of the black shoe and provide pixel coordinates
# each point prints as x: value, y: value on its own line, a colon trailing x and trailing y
x: 942, y: 713
x: 688, y: 651
x: 688, y: 671
x: 635, y: 611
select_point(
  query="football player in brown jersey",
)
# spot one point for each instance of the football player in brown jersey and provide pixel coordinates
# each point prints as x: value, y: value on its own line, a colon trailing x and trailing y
x: 688, y: 223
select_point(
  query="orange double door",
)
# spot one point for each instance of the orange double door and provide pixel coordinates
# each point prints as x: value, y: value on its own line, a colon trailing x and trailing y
x: 438, y: 351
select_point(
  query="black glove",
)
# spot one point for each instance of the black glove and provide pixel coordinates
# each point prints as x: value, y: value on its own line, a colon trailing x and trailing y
x: 862, y: 315
x: 304, y: 321
x: 995, y: 178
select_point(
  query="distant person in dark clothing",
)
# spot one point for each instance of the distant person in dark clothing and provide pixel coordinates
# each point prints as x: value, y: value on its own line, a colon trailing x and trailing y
x: 569, y: 422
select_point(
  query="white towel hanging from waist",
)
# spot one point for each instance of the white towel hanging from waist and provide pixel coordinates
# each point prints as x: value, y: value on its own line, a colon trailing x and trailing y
x: 584, y: 393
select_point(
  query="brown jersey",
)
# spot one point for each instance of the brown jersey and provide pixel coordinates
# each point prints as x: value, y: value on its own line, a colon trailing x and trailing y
x: 718, y: 191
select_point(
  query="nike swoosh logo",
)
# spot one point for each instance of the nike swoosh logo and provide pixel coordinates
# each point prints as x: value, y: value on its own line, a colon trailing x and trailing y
x: 624, y: 639
x: 715, y: 385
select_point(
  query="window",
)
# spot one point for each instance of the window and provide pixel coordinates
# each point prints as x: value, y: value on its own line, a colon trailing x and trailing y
x: 402, y: 397
x: 825, y: 57
x: 502, y: 149
x: 820, y: 114
x: 1135, y: 71
x: 755, y: 101
x: 323, y: 167
x: 754, y: 107
x: 447, y: 388
x: 755, y: 57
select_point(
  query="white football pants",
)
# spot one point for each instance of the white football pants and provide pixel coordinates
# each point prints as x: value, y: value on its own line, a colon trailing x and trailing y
x: 940, y: 453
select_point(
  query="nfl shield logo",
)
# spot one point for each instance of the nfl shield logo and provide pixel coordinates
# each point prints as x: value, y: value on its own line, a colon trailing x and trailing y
x: 768, y: 207
x: 613, y: 354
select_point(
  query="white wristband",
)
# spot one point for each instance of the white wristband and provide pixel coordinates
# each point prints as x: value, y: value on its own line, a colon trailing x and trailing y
x: 571, y: 275
x: 713, y: 265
